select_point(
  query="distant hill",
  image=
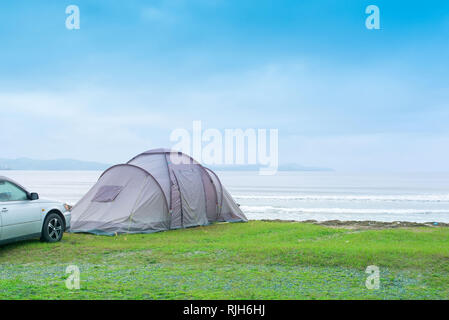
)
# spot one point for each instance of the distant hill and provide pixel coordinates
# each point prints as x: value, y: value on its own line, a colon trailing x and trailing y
x: 70, y: 164
x: 297, y: 167
x: 57, y: 164
x: 284, y: 167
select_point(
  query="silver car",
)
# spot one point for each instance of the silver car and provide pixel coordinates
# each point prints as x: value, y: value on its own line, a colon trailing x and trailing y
x: 23, y: 215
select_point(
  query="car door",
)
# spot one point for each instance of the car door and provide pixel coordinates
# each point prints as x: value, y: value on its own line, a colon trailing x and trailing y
x: 2, y: 207
x: 20, y: 216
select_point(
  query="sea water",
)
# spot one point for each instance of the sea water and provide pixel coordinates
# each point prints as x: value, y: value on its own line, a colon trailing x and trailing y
x: 416, y: 197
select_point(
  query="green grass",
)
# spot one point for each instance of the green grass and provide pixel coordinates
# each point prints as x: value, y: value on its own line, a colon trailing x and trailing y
x: 255, y: 260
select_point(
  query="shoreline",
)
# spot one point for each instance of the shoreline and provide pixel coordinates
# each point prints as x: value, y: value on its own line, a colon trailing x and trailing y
x: 366, y: 224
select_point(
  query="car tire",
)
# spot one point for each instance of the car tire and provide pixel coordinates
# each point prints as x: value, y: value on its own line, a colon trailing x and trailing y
x: 53, y: 228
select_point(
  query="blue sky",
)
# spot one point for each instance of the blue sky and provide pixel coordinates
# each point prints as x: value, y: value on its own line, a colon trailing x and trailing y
x: 342, y: 96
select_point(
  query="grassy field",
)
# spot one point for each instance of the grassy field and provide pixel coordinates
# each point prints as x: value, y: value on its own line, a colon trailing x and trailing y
x: 255, y: 260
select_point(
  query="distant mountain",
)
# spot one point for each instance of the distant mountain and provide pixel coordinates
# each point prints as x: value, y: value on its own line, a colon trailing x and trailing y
x: 297, y: 167
x: 284, y: 167
x: 70, y: 164
x: 57, y: 164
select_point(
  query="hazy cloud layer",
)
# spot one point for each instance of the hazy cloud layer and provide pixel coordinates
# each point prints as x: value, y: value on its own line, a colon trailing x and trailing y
x: 340, y: 95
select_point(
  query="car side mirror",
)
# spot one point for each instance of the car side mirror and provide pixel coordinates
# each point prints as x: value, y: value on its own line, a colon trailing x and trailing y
x: 34, y: 196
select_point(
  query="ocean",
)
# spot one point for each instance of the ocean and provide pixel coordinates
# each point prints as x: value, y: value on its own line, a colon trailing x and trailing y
x: 417, y: 197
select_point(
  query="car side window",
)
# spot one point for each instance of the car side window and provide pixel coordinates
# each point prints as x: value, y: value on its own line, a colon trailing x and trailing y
x: 11, y: 192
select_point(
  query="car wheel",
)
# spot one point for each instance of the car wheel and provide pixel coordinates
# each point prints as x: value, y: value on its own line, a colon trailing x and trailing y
x: 53, y: 228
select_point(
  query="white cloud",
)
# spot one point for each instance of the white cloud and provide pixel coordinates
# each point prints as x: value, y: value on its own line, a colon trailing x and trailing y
x: 158, y: 15
x: 328, y: 120
x: 373, y: 152
x: 49, y: 125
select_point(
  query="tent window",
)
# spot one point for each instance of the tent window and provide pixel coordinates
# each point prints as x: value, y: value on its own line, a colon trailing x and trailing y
x: 107, y: 193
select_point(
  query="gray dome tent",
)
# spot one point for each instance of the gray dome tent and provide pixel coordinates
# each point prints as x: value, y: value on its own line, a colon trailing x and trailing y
x: 156, y: 190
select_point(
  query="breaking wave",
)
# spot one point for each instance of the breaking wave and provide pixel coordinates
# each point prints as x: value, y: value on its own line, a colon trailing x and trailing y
x: 272, y: 209
x: 408, y: 198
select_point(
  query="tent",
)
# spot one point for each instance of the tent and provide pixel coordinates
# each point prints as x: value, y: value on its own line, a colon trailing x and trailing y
x: 156, y: 190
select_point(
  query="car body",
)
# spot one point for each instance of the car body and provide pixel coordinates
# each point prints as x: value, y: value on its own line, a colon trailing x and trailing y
x: 23, y: 214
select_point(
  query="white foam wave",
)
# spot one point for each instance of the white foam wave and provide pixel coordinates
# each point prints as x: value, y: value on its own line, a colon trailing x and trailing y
x: 417, y: 198
x: 272, y: 209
